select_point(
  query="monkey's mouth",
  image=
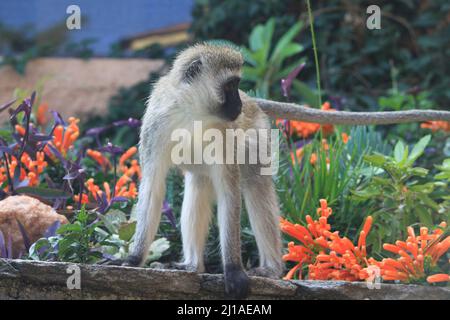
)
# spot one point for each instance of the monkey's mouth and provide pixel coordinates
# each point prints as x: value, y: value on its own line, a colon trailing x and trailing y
x: 231, y: 109
x: 232, y: 105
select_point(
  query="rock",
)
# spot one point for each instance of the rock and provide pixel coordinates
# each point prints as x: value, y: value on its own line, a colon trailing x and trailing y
x: 34, y: 215
x: 20, y: 279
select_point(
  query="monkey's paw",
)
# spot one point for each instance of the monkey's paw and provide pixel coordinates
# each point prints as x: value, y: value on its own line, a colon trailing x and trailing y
x: 132, y: 261
x: 265, y: 272
x: 236, y: 282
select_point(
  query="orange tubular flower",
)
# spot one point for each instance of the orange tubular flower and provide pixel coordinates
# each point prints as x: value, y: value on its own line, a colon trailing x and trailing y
x: 306, y: 129
x: 313, y: 158
x: 99, y: 158
x: 127, y: 155
x: 63, y: 140
x: 415, y: 255
x: 41, y: 115
x: 20, y: 130
x: 345, y: 137
x: 441, y: 277
x: 329, y: 256
x: 436, y: 126
x: 298, y: 154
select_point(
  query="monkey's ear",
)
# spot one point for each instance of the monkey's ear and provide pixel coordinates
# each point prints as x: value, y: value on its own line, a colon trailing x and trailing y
x: 192, y: 70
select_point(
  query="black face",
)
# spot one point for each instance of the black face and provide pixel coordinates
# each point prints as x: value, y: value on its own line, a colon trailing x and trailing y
x: 232, y: 106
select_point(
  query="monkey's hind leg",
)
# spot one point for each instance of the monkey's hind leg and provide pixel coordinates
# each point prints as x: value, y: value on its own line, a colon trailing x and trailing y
x: 227, y: 185
x: 262, y: 207
x: 148, y: 209
x: 195, y: 219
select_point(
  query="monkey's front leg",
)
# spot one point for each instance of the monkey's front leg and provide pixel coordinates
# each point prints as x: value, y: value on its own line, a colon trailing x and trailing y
x: 227, y: 185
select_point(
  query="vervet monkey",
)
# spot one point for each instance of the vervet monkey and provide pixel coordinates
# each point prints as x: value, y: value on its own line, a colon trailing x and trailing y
x: 202, y: 85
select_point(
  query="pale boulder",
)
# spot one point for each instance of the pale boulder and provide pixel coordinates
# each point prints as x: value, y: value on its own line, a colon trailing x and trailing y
x: 34, y: 215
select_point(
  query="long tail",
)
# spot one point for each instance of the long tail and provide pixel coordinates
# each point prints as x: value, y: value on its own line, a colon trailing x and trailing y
x: 293, y: 111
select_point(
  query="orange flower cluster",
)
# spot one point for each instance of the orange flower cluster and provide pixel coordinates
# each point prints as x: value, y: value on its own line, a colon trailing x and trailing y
x: 30, y: 169
x: 306, y: 129
x: 125, y: 186
x: 332, y: 257
x: 63, y: 140
x: 416, y: 255
x: 436, y: 125
x: 329, y: 256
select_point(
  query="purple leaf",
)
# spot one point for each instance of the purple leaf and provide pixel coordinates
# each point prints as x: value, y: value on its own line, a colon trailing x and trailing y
x: 96, y: 131
x: 7, y: 105
x: 112, y: 149
x: 26, y: 239
x: 286, y: 84
x: 118, y: 199
x: 3, y: 253
x: 58, y: 119
x: 51, y: 230
x: 167, y: 211
x: 9, y: 247
x: 131, y: 122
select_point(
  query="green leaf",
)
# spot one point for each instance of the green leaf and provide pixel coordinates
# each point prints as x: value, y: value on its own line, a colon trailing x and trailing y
x: 424, y: 216
x: 113, y: 219
x: 400, y: 151
x: 418, y: 149
x: 157, y: 249
x: 421, y: 172
x: 285, y: 40
x: 428, y: 201
x: 376, y: 159
x: 69, y: 228
x: 365, y: 194
x: 126, y: 230
x: 290, y: 50
x: 5, y: 134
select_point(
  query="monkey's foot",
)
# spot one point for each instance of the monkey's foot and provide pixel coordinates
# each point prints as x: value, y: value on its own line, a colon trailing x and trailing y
x: 236, y: 282
x: 132, y: 261
x: 264, y: 272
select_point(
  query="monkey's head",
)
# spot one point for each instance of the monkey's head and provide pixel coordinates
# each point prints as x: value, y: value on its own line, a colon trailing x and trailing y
x: 209, y: 77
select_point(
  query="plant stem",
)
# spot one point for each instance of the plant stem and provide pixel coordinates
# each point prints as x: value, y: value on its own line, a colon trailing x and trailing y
x: 8, y: 175
x: 316, y: 59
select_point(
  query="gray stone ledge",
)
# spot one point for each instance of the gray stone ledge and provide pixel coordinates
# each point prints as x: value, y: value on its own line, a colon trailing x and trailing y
x: 22, y: 279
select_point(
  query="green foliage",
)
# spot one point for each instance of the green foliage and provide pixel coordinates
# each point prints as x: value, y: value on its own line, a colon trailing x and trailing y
x: 75, y: 242
x: 266, y: 62
x: 401, y: 194
x: 91, y: 238
x: 354, y: 61
x: 212, y: 18
x: 301, y: 184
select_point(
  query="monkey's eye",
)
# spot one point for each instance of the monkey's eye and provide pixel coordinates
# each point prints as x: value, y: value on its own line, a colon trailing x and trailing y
x: 232, y: 84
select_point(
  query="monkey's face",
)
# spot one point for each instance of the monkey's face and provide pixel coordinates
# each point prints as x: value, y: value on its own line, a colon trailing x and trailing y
x: 231, y: 106
x: 209, y: 82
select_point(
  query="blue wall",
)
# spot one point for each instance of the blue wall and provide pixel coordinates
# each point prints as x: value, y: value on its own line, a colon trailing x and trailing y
x: 107, y: 20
